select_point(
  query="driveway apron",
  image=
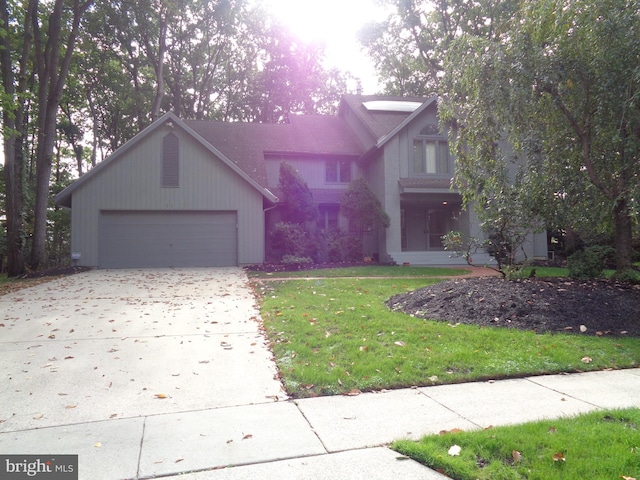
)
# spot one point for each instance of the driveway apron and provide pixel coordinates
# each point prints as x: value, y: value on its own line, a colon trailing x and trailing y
x: 120, y: 344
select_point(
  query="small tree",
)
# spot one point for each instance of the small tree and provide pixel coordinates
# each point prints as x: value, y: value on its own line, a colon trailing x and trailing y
x: 297, y: 201
x: 362, y: 208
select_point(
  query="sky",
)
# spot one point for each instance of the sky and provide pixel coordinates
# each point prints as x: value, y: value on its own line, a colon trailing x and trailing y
x: 336, y: 24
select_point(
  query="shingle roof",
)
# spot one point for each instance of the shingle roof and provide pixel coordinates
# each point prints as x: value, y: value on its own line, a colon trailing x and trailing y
x: 246, y: 143
x: 432, y: 183
x: 379, y: 123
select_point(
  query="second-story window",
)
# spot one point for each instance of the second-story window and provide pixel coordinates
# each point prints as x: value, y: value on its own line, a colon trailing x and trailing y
x: 337, y: 171
x: 430, y: 152
x: 430, y: 156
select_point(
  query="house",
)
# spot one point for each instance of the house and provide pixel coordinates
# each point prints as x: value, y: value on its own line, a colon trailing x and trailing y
x: 201, y: 193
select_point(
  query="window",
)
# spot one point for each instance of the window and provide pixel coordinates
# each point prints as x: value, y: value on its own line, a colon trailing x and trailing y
x: 430, y: 156
x: 337, y: 171
x: 430, y: 152
x: 328, y: 217
x: 170, y: 161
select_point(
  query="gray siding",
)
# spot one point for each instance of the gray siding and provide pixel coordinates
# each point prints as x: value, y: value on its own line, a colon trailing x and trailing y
x: 133, y: 182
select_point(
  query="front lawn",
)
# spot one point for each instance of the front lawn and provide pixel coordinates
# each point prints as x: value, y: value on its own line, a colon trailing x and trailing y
x: 602, y: 445
x: 364, y: 271
x: 333, y: 335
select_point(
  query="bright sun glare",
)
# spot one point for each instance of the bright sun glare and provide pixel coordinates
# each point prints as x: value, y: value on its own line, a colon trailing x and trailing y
x: 335, y: 23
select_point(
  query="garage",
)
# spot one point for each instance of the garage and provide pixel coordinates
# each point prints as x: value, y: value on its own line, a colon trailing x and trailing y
x: 142, y: 239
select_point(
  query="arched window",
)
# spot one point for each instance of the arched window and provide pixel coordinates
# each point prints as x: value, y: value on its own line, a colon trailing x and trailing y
x: 170, y: 161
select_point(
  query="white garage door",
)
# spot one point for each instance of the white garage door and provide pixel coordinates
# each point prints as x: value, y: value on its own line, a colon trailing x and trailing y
x: 167, y: 239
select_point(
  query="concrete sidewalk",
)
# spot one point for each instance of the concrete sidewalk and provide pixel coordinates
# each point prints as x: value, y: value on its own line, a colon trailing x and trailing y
x: 325, y: 437
x: 166, y: 373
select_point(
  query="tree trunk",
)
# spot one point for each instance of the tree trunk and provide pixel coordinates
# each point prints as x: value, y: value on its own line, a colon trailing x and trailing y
x: 13, y: 127
x: 52, y: 70
x: 623, y: 236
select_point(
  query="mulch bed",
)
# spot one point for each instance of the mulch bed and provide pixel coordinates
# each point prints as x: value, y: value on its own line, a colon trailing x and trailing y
x: 541, y: 305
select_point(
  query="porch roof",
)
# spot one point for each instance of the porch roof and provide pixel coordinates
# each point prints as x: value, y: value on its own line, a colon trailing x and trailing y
x: 427, y: 185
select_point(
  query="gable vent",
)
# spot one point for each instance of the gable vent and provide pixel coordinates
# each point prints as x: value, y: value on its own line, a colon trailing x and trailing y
x: 170, y: 161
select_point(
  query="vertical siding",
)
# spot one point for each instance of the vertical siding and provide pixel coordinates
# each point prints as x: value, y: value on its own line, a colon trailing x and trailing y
x: 133, y: 182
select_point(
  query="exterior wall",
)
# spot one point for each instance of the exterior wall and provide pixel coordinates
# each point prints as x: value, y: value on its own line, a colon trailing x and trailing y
x: 133, y: 182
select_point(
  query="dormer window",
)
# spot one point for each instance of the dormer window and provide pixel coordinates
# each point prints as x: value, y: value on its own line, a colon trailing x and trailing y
x: 170, y: 161
x: 430, y: 153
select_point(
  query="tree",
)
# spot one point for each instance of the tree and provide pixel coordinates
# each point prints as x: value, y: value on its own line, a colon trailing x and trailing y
x: 297, y: 201
x: 53, y: 53
x: 561, y: 84
x: 15, y: 41
x: 362, y: 208
x: 409, y: 47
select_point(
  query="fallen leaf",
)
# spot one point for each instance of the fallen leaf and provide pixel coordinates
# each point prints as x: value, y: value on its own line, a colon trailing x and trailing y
x: 400, y: 343
x: 179, y: 460
x: 39, y: 416
x: 553, y: 430
x: 454, y: 451
x: 68, y: 358
x: 247, y: 436
x: 559, y: 457
x: 70, y: 406
x: 453, y: 430
x: 354, y: 392
x: 583, y: 328
x: 517, y: 456
x: 624, y: 477
x: 587, y: 359
x: 161, y: 395
x: 97, y: 445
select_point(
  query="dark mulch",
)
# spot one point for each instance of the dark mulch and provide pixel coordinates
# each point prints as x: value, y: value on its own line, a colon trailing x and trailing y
x: 536, y: 304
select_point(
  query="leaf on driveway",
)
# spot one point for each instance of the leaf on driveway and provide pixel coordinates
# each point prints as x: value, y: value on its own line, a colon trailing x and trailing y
x: 354, y: 392
x: 161, y: 395
x: 247, y: 436
x: 38, y: 416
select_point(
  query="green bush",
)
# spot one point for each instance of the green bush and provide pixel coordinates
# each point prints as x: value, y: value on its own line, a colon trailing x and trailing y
x: 588, y: 263
x: 292, y: 239
x: 343, y: 247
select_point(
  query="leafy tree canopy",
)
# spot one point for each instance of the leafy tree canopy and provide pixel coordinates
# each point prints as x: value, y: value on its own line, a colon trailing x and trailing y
x: 561, y: 84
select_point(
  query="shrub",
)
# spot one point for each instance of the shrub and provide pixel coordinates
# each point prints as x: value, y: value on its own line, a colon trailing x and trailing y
x: 588, y: 263
x: 343, y: 247
x: 291, y: 239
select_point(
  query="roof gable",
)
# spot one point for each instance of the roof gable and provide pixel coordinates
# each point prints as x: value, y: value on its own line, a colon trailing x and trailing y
x: 64, y: 197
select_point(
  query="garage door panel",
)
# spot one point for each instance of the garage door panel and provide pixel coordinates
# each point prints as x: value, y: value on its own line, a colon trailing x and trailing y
x: 168, y: 239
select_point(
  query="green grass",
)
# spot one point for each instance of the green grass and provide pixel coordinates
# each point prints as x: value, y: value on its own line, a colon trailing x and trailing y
x: 365, y: 271
x: 596, y: 446
x: 332, y: 335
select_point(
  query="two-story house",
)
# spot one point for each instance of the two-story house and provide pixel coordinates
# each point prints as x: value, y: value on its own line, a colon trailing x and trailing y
x: 200, y: 193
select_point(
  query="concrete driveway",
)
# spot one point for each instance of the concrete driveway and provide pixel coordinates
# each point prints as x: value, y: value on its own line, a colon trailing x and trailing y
x: 119, y: 344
